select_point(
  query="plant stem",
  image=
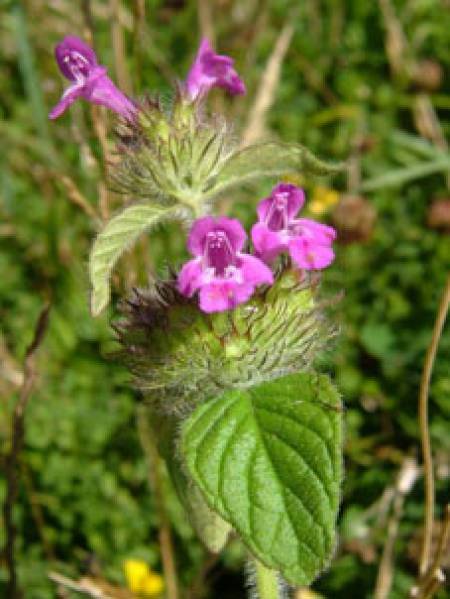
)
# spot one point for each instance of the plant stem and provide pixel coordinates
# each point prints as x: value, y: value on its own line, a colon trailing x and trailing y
x: 267, y: 586
x: 165, y: 536
x: 12, y: 459
x: 424, y: 428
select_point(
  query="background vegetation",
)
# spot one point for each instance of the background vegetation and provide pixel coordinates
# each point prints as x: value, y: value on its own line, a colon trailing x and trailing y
x: 346, y: 78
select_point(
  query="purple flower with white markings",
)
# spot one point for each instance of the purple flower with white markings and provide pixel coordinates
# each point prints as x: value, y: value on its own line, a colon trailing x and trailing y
x: 307, y: 241
x: 224, y: 276
x: 78, y: 63
x: 212, y: 70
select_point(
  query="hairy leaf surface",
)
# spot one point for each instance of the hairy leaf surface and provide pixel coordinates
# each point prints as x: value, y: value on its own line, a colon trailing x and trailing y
x: 118, y: 235
x: 266, y: 160
x: 268, y: 460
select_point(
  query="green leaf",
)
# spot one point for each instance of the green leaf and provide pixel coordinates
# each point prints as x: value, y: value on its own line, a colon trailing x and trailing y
x: 401, y: 176
x: 117, y: 236
x: 208, y: 525
x: 268, y: 460
x: 212, y: 530
x: 267, y: 160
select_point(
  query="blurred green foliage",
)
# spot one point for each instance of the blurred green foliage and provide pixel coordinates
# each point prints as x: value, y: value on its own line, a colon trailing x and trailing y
x: 84, y: 502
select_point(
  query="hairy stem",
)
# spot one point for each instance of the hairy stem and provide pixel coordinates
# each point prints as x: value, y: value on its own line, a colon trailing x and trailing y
x: 266, y: 582
x: 424, y: 428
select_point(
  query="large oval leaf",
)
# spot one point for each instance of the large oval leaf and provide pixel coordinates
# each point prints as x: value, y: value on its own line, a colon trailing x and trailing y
x: 268, y: 460
x: 117, y: 236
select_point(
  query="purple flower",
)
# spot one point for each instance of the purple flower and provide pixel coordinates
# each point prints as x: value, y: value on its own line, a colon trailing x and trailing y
x: 224, y: 275
x: 89, y: 80
x: 212, y: 70
x: 308, y: 242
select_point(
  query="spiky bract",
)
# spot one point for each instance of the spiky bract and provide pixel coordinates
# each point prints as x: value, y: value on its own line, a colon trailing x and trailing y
x: 170, y: 154
x: 181, y: 356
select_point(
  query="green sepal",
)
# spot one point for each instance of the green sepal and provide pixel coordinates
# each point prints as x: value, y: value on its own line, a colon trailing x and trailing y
x: 268, y: 460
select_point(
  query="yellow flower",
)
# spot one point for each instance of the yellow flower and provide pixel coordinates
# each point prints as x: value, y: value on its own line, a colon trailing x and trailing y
x: 307, y: 594
x: 153, y: 585
x: 323, y: 198
x: 141, y: 579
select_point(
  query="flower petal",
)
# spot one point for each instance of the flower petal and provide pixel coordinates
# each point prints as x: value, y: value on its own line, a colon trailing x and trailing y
x: 295, y: 197
x: 254, y: 271
x: 72, y: 48
x: 313, y: 231
x: 99, y: 89
x: 309, y: 255
x: 202, y: 226
x: 198, y: 233
x: 263, y: 208
x: 71, y: 94
x: 190, y: 277
x: 223, y: 295
x: 268, y: 244
x: 295, y: 200
x: 209, y: 70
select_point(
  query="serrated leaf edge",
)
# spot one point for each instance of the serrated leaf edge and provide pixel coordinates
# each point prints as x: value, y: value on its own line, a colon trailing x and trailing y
x: 226, y: 515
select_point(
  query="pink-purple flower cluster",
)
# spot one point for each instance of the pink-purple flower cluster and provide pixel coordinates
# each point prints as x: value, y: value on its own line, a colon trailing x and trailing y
x: 78, y: 63
x: 220, y: 271
x: 225, y: 276
x: 278, y: 230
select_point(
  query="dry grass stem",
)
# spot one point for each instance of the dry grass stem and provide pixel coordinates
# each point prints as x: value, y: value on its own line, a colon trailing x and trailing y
x: 138, y: 39
x: 100, y: 128
x: 434, y: 578
x: 424, y: 428
x: 395, y: 42
x: 267, y: 88
x: 146, y: 437
x: 9, y: 369
x: 428, y: 125
x: 205, y: 18
x: 12, y: 458
x: 76, y: 197
x: 118, y: 44
x: 408, y: 475
x: 96, y: 589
